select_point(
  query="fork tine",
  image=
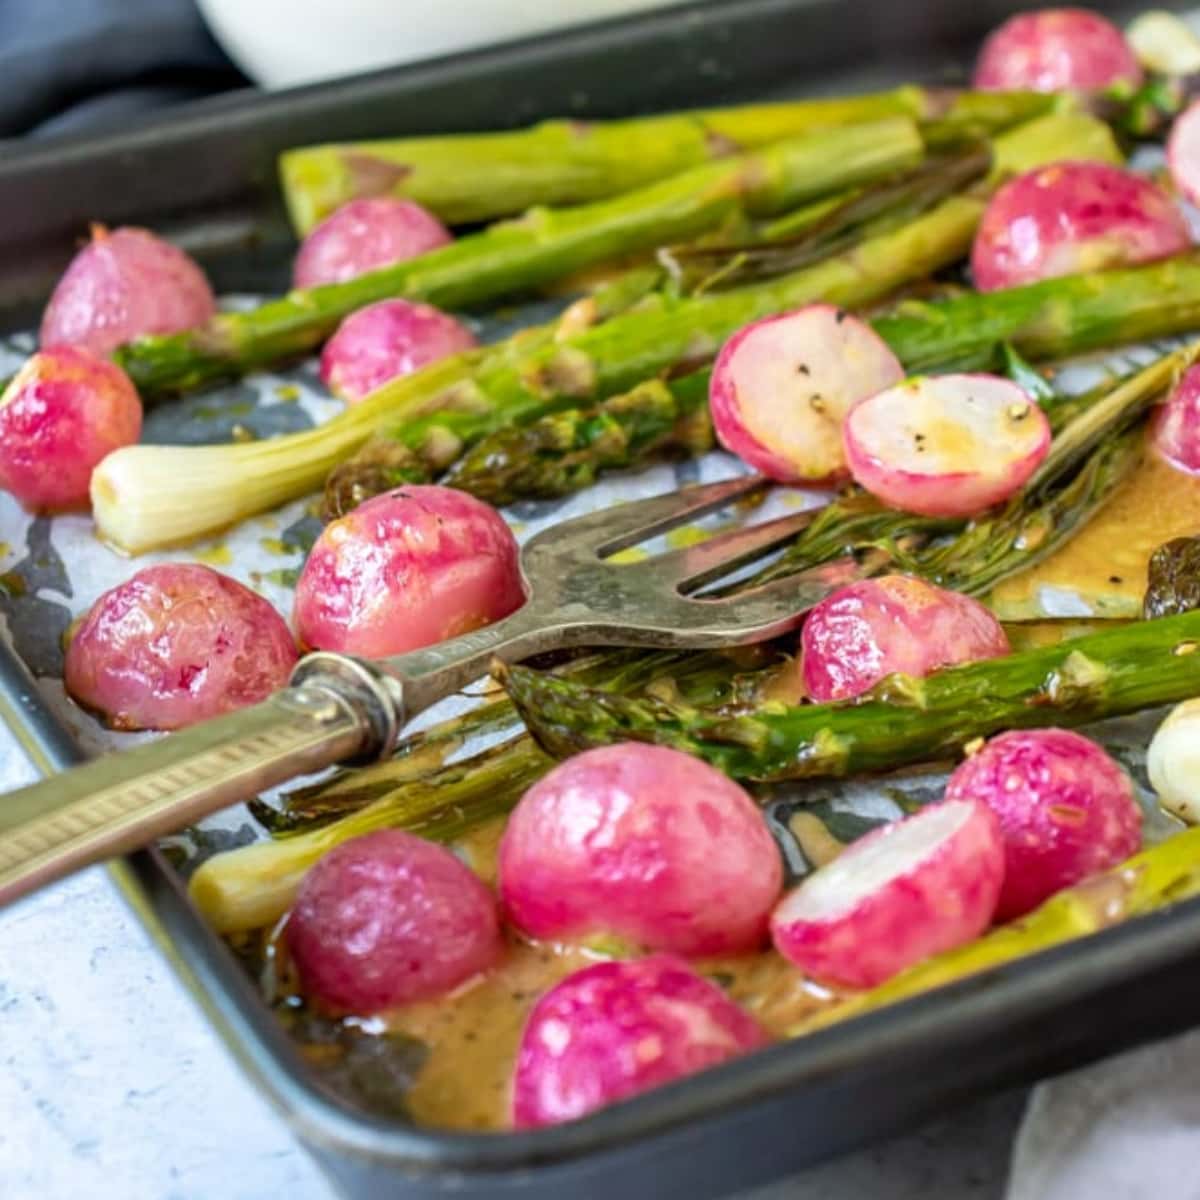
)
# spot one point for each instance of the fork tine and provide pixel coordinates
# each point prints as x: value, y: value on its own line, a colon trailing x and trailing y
x: 692, y: 567
x: 608, y: 530
x: 781, y: 604
x: 629, y: 524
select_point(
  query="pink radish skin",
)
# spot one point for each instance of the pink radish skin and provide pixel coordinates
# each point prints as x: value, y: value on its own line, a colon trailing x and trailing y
x: 1175, y: 427
x: 62, y: 413
x: 1072, y: 218
x: 1065, y: 808
x: 386, y: 340
x: 891, y: 625
x: 782, y: 386
x: 365, y: 235
x: 645, y: 843
x: 946, y: 445
x: 176, y: 644
x: 124, y: 285
x: 389, y: 918
x: 1183, y: 152
x: 1056, y: 49
x: 613, y: 1030
x: 405, y: 570
x: 907, y: 891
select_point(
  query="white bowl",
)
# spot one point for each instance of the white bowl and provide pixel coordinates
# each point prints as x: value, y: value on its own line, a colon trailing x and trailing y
x: 279, y: 43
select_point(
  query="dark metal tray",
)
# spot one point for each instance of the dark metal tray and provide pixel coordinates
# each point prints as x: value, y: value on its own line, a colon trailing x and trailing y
x: 205, y: 173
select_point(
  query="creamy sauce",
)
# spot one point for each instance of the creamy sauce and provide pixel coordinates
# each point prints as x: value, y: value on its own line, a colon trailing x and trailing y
x: 1101, y: 572
x: 472, y: 1035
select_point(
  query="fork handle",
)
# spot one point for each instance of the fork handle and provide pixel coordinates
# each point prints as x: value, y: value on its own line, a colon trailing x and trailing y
x: 336, y: 709
x: 120, y: 802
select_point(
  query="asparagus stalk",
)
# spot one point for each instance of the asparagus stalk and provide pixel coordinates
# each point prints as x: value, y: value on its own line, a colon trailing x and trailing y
x: 477, y: 177
x: 542, y: 245
x: 902, y: 721
x: 1162, y: 875
x: 566, y: 451
x: 149, y: 496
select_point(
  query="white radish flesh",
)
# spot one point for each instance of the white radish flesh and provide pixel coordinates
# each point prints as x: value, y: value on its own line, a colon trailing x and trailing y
x: 951, y: 445
x: 782, y: 387
x: 903, y: 893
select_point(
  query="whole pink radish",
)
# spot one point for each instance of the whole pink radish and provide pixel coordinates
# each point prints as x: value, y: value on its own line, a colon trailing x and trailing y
x: 615, y: 1029
x: 1072, y: 218
x: 645, y: 843
x: 1066, y: 810
x: 895, y: 624
x: 175, y: 644
x: 1056, y: 49
x: 62, y: 412
x: 386, y: 340
x: 125, y: 284
x: 406, y: 569
x: 389, y: 918
x: 1183, y: 152
x: 1175, y: 426
x: 782, y: 386
x: 946, y: 445
x: 365, y: 235
x: 904, y: 892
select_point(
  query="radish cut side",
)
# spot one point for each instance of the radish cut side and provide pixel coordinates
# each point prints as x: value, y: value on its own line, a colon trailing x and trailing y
x: 1183, y: 152
x: 910, y: 890
x: 951, y: 445
x: 781, y: 389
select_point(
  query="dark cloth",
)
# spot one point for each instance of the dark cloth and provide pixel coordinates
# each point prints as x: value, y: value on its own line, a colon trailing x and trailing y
x: 68, y: 65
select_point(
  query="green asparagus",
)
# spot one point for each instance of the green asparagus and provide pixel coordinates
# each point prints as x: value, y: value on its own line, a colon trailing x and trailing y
x: 477, y: 177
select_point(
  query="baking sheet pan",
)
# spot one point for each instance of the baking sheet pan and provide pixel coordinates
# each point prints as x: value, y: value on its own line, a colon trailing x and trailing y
x: 205, y: 174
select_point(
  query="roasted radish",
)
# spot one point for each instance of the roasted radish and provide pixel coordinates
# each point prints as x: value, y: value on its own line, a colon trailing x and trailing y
x: 177, y: 643
x: 644, y: 843
x: 1072, y: 218
x: 616, y: 1029
x: 947, y: 445
x: 892, y: 625
x: 1183, y: 152
x: 914, y: 888
x: 1056, y: 49
x: 386, y: 340
x: 62, y: 413
x: 407, y: 569
x: 1176, y: 424
x: 366, y: 235
x: 782, y: 386
x: 389, y: 918
x: 1066, y: 810
x: 123, y: 285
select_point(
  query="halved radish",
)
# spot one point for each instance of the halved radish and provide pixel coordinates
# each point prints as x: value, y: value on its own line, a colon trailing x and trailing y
x: 781, y: 388
x: 1056, y: 49
x: 917, y: 887
x: 1183, y: 152
x: 889, y: 625
x: 1066, y: 810
x: 1070, y: 218
x: 948, y: 445
x: 1176, y: 425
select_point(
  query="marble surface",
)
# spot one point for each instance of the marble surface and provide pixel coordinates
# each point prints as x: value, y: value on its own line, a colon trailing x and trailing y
x: 112, y: 1085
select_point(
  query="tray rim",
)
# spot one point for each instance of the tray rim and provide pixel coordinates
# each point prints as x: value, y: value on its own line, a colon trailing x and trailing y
x: 1036, y: 985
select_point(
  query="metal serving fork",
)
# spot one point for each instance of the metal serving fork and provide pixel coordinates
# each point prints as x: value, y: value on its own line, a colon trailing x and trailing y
x: 339, y: 709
